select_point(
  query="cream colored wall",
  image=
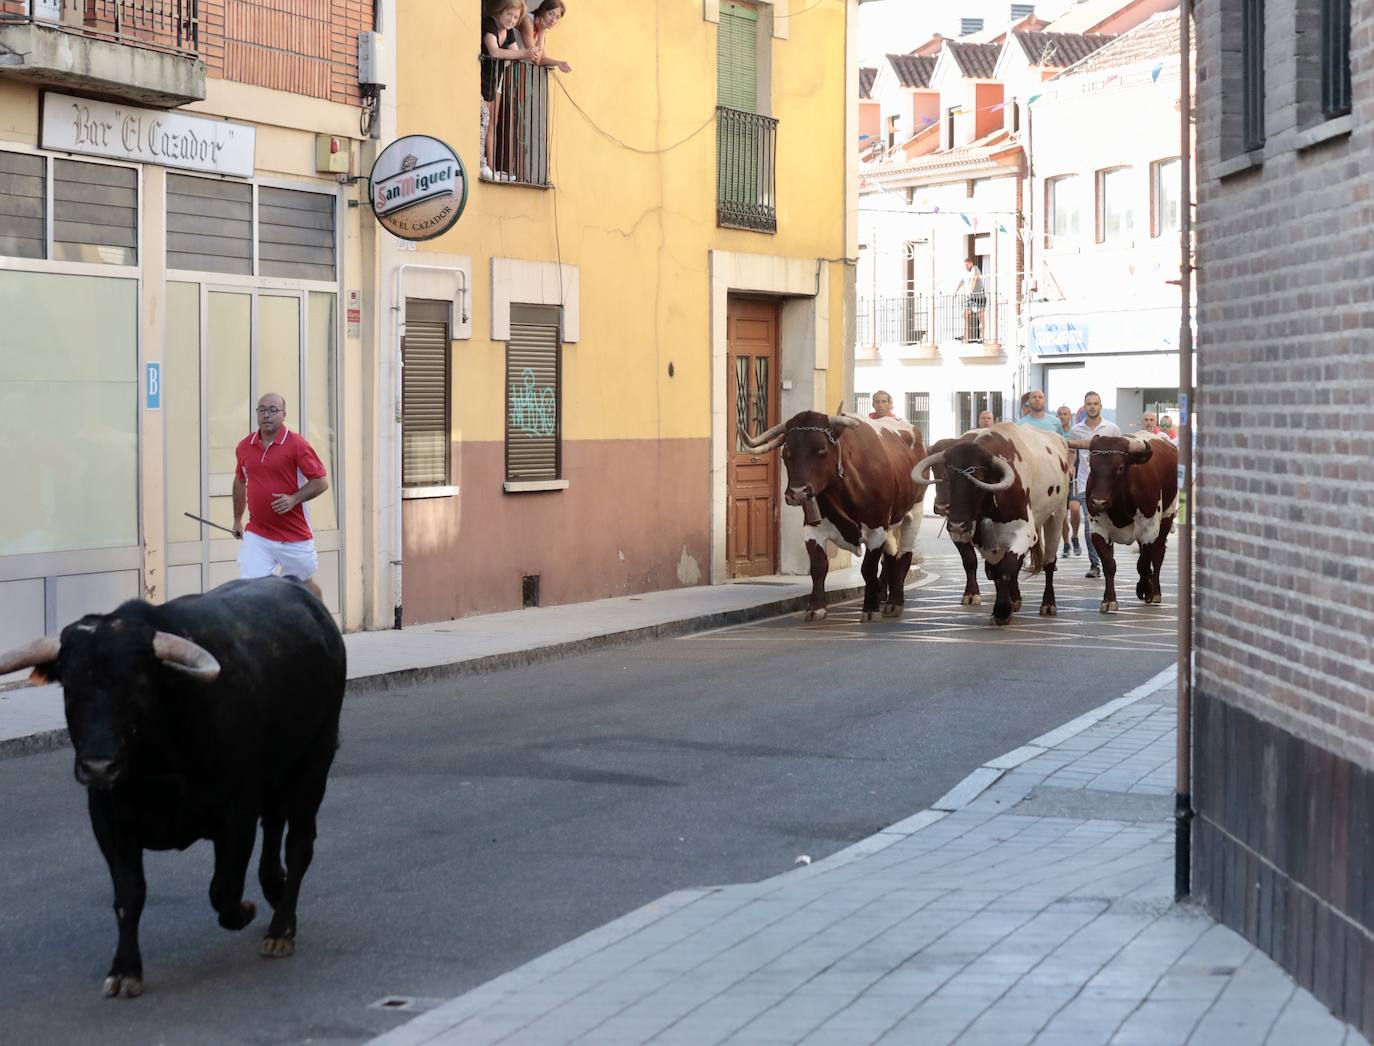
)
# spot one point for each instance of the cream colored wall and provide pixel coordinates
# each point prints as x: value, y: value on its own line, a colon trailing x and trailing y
x: 638, y: 222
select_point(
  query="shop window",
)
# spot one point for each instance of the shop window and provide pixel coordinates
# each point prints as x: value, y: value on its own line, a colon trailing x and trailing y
x: 534, y: 394
x: 425, y: 402
x: 319, y: 422
x: 69, y: 385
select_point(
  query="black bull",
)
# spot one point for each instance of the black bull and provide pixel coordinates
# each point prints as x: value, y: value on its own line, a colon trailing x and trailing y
x: 195, y: 720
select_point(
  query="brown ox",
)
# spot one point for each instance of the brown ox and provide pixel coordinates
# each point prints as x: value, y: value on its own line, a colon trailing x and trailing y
x: 1008, y: 493
x: 853, y: 478
x: 1132, y: 497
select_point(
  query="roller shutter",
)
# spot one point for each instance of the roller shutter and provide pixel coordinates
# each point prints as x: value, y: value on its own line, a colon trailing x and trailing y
x: 533, y: 396
x: 424, y: 396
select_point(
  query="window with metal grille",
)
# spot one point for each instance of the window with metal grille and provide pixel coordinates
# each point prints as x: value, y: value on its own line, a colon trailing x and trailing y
x: 863, y: 403
x: 425, y: 404
x: 918, y: 413
x: 1164, y: 196
x: 1335, y: 57
x: 968, y: 405
x: 534, y: 394
x: 1252, y: 73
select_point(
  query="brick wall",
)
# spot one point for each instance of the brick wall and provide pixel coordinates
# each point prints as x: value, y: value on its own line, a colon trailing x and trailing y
x: 307, y: 47
x: 1285, y: 506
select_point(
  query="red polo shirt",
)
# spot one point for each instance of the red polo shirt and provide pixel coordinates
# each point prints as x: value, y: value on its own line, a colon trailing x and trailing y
x: 282, y: 467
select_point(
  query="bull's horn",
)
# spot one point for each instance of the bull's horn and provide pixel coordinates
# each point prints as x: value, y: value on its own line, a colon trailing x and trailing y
x: 768, y: 448
x: 1139, y: 446
x: 1080, y: 444
x: 31, y: 655
x: 925, y: 465
x: 763, y: 437
x: 185, y: 656
x: 1001, y: 484
x: 843, y: 421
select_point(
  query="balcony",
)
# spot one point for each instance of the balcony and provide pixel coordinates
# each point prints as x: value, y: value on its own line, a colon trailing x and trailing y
x: 141, y: 51
x: 746, y: 170
x: 520, y: 130
x: 918, y: 326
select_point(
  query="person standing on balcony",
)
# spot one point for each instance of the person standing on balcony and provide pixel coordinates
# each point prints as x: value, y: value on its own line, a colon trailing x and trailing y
x: 500, y: 44
x: 975, y: 300
x: 538, y: 22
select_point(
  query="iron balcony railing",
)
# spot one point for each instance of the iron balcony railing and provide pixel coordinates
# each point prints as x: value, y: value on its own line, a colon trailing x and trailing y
x: 520, y: 145
x: 932, y: 319
x: 746, y: 170
x: 161, y: 25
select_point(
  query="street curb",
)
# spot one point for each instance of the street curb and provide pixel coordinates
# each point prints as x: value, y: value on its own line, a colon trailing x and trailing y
x: 979, y: 781
x: 382, y: 682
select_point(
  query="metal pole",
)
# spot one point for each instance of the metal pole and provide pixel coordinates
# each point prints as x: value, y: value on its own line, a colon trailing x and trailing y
x: 1183, y: 800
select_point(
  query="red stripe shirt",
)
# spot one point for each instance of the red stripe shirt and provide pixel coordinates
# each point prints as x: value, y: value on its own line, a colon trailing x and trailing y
x: 282, y: 467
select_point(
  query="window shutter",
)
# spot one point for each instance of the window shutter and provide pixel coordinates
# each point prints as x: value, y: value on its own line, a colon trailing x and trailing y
x: 209, y: 225
x: 424, y: 396
x: 295, y: 234
x: 23, y: 195
x: 95, y: 213
x: 533, y: 402
x: 736, y: 53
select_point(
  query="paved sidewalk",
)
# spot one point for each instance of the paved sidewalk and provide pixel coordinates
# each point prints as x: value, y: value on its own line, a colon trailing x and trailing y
x: 31, y: 718
x: 1035, y: 906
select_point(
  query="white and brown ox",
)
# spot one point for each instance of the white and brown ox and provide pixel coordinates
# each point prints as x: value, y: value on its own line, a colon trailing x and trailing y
x: 1132, y: 498
x: 1008, y: 494
x: 853, y: 477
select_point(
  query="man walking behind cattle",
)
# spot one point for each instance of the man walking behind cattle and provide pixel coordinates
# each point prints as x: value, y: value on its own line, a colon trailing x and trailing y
x: 1036, y: 415
x: 276, y: 474
x: 1093, y: 424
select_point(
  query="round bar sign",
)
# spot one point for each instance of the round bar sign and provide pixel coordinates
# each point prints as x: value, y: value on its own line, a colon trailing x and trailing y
x: 419, y: 187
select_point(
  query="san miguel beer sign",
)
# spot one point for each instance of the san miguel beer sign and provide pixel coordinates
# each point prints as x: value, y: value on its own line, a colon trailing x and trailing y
x: 419, y: 187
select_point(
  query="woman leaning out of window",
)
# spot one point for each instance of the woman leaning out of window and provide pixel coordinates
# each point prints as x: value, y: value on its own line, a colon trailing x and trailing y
x: 538, y: 22
x: 500, y: 43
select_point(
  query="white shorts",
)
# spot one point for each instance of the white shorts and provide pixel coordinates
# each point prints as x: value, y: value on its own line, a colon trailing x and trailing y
x: 260, y: 556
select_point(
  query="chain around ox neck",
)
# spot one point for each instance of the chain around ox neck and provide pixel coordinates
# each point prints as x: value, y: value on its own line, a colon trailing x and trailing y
x: 839, y: 458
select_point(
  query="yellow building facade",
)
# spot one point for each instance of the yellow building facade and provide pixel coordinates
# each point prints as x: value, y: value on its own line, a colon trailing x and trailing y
x: 578, y: 348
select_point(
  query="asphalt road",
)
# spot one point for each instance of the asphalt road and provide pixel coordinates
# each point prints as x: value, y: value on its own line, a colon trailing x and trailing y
x: 473, y: 825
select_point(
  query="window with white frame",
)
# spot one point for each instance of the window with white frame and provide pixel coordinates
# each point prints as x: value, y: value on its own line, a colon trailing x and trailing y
x: 1063, y: 210
x: 1164, y: 197
x: 1115, y: 206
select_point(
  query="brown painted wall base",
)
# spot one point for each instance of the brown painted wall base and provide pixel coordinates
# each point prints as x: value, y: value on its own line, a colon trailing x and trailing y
x: 1283, y: 852
x: 635, y: 518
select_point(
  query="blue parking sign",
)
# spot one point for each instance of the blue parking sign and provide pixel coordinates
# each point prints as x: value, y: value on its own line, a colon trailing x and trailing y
x: 153, y: 388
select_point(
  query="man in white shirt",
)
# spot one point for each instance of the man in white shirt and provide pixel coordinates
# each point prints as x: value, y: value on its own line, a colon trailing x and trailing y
x: 1093, y: 424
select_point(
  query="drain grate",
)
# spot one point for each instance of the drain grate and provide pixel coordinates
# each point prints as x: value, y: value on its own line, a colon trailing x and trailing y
x: 405, y: 1004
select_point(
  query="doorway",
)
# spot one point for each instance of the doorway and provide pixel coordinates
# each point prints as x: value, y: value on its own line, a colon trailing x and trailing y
x: 751, y: 483
x: 226, y: 346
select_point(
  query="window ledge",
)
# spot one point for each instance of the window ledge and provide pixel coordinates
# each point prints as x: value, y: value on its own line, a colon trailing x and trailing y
x: 1336, y: 127
x: 531, y: 486
x: 1237, y: 164
x: 416, y: 493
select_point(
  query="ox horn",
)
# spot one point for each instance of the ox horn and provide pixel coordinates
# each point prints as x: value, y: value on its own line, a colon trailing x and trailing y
x: 1139, y: 446
x: 1001, y: 484
x: 754, y: 442
x: 181, y: 654
x: 31, y: 655
x: 842, y: 421
x: 1080, y: 444
x: 925, y: 465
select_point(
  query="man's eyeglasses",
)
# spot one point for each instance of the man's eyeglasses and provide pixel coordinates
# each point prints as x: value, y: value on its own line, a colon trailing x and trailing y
x: 269, y: 410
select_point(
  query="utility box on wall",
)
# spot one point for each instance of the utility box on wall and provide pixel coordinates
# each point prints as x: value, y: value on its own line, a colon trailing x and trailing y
x: 332, y: 154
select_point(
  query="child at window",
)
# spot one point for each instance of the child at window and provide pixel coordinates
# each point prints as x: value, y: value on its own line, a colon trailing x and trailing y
x: 538, y: 22
x: 500, y: 43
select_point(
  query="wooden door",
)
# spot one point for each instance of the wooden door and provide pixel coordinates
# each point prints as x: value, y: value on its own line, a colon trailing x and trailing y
x: 751, y: 485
